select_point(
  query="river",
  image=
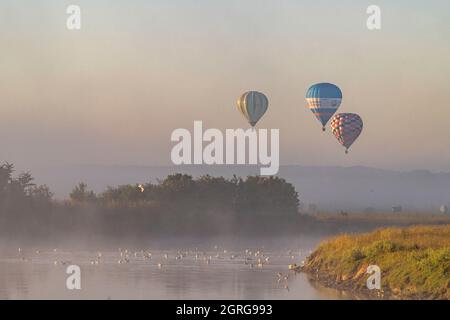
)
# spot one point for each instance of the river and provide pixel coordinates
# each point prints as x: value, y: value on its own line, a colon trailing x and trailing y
x: 212, y: 271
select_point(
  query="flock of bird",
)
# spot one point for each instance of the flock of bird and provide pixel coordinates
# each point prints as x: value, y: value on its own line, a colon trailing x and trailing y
x: 252, y: 258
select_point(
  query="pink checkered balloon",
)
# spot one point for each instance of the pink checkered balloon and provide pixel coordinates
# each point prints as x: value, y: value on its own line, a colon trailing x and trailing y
x: 346, y: 127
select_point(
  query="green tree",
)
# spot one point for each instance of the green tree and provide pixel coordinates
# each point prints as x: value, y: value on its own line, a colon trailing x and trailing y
x: 81, y: 193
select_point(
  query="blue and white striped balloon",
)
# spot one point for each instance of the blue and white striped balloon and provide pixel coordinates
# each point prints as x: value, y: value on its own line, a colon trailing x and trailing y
x: 324, y: 99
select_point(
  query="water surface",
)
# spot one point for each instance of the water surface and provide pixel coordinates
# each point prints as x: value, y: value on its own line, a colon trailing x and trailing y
x: 172, y: 273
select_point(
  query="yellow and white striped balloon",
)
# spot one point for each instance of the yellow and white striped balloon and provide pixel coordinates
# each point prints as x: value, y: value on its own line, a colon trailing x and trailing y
x: 253, y: 105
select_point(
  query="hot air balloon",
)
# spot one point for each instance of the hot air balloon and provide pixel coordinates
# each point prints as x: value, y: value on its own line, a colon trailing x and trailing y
x: 323, y: 100
x: 346, y: 127
x: 253, y: 105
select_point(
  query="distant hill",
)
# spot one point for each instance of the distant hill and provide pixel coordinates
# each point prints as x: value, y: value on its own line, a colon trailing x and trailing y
x: 330, y: 188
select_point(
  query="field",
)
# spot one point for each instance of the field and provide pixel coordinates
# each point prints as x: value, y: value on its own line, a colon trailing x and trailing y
x: 380, y: 218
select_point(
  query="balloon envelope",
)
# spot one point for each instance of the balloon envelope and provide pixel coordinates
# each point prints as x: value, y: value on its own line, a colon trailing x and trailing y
x: 323, y: 100
x: 346, y: 127
x: 253, y: 105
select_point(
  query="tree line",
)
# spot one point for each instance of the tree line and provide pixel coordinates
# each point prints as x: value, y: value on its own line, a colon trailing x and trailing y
x: 253, y: 195
x: 178, y: 204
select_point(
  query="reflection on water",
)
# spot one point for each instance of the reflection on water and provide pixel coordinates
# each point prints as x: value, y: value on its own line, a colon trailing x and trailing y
x: 214, y: 273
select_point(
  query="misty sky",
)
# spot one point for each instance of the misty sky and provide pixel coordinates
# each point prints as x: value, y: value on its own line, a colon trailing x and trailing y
x: 113, y: 92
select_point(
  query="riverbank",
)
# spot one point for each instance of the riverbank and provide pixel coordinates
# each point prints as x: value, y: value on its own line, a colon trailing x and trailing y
x: 414, y: 262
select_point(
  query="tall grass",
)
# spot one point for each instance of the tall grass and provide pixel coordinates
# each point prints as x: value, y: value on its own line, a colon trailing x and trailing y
x: 415, y: 261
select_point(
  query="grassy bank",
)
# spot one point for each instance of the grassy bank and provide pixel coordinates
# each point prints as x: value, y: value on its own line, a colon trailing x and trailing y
x: 414, y: 261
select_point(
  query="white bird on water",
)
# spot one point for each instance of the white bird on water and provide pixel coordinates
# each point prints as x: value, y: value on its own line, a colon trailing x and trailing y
x: 285, y: 278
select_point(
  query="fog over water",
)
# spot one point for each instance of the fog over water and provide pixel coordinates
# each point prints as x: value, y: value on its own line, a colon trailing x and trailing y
x: 210, y: 270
